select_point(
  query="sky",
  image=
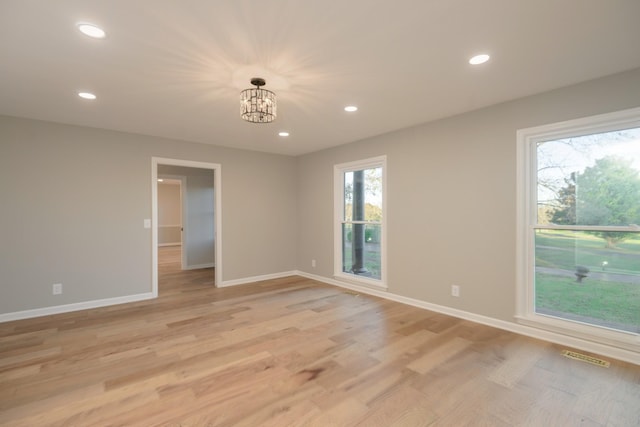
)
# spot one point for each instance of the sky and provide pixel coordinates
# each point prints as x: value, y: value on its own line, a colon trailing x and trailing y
x: 558, y: 159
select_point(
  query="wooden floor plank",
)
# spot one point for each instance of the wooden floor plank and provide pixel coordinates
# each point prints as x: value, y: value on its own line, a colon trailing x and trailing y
x: 293, y: 351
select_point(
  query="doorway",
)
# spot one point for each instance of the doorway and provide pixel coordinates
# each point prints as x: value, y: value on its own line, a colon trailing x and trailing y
x: 206, y: 210
x: 171, y: 211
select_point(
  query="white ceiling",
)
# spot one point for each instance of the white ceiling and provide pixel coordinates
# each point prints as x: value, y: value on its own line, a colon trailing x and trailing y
x: 174, y: 68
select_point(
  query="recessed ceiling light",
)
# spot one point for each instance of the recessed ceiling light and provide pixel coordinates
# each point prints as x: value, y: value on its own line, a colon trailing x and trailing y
x: 479, y: 59
x: 350, y: 108
x: 160, y: 180
x: 91, y: 30
x: 284, y: 133
x: 86, y: 95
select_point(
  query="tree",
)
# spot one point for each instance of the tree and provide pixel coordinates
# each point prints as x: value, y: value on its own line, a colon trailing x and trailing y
x: 372, y: 190
x: 556, y: 158
x: 371, y: 212
x: 565, y: 214
x: 363, y: 184
x: 607, y: 193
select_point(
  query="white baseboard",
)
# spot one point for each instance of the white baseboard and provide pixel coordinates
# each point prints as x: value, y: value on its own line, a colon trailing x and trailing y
x: 246, y: 280
x: 602, y: 349
x: 46, y: 311
x: 199, y: 266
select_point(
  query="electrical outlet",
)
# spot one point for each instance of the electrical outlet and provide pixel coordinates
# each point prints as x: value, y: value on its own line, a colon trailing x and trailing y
x: 313, y: 263
x: 455, y: 290
x: 57, y: 288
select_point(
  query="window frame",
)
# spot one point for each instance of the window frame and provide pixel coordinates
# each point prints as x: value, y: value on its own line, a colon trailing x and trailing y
x: 339, y: 207
x: 527, y: 217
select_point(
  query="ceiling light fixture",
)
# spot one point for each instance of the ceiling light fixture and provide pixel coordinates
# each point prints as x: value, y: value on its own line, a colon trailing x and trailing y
x: 91, y: 30
x: 87, y: 95
x: 258, y: 105
x: 350, y: 108
x: 284, y: 133
x: 479, y: 59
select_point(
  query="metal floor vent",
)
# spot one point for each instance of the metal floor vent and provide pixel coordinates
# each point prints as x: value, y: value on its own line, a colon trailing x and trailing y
x: 585, y: 358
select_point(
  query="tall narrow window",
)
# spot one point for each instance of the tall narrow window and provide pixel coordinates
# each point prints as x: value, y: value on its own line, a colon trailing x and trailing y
x: 360, y: 219
x: 579, y: 264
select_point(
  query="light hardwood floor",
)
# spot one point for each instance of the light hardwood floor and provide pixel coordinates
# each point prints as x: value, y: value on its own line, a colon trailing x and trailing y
x: 293, y: 351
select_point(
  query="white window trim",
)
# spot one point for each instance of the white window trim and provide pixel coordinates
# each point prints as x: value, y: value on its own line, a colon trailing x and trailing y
x: 338, y: 192
x: 527, y: 217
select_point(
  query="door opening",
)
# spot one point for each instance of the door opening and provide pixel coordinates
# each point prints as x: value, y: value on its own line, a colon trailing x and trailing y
x: 201, y: 220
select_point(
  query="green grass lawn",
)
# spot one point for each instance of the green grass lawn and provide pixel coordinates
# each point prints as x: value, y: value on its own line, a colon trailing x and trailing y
x: 595, y: 299
x: 599, y: 299
x: 566, y: 249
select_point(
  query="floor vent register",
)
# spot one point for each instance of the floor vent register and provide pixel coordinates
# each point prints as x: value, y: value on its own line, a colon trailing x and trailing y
x: 585, y: 358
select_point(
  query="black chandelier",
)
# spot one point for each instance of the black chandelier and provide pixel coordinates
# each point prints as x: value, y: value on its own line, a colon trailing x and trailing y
x: 258, y: 105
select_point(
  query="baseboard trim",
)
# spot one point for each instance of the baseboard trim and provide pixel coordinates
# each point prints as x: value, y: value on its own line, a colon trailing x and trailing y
x: 161, y: 245
x: 601, y: 349
x: 246, y: 280
x: 556, y: 338
x: 199, y: 266
x: 67, y: 308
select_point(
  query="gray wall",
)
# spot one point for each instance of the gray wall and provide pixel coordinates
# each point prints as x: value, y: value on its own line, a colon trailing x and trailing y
x: 74, y: 200
x: 451, y: 203
x: 200, y: 248
x: 169, y: 214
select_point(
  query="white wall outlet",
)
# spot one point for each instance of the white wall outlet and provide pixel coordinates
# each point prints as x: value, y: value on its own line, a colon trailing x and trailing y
x: 146, y: 223
x: 455, y: 290
x: 57, y: 288
x: 313, y: 263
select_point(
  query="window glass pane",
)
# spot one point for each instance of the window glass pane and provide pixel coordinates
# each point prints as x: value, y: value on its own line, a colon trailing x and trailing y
x: 348, y: 196
x: 590, y: 277
x: 373, y: 194
x: 347, y: 247
x: 590, y: 180
x: 363, y: 195
x: 361, y: 242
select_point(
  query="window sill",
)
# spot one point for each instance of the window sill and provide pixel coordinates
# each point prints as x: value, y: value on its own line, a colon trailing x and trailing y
x: 361, y: 281
x: 575, y: 329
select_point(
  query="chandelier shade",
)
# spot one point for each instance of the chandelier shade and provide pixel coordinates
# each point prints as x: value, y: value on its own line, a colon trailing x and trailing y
x: 258, y: 105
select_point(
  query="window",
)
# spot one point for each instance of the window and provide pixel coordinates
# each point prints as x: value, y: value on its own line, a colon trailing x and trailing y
x: 578, y: 233
x: 360, y: 221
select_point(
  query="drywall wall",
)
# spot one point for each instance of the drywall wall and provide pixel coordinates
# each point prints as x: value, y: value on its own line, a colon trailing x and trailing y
x: 451, y: 196
x: 200, y: 221
x: 169, y: 214
x: 75, y: 199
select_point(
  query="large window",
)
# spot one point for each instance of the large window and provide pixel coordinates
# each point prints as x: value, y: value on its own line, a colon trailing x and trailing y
x: 359, y: 221
x: 579, y: 239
